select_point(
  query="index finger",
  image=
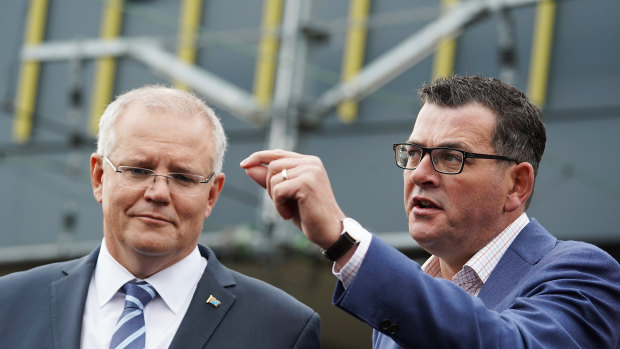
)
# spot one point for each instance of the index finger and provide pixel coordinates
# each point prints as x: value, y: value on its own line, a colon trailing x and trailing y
x: 265, y: 157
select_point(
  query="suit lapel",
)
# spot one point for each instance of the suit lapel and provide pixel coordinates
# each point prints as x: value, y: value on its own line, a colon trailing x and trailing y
x: 532, y: 243
x: 202, y: 318
x: 507, y: 272
x: 68, y: 298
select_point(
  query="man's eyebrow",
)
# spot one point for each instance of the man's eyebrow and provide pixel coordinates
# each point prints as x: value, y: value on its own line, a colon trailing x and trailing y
x: 189, y: 166
x: 448, y: 144
x: 183, y: 168
x: 143, y: 162
x: 457, y: 145
x: 136, y: 162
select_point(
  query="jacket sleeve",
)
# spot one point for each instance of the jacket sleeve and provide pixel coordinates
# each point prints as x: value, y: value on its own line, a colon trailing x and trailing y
x: 310, y: 336
x: 570, y: 299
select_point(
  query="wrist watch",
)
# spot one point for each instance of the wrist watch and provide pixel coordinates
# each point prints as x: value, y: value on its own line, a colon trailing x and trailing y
x: 348, y: 239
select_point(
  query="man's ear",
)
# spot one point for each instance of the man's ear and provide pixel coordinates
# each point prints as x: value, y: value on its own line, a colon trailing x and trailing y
x: 96, y: 176
x: 214, y: 192
x: 521, y: 184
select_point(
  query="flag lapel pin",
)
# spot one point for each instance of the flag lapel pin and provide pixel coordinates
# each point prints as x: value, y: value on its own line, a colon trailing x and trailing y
x: 213, y: 301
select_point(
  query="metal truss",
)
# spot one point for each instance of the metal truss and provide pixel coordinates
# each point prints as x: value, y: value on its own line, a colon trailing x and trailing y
x: 151, y: 53
x: 239, y: 102
x: 284, y: 114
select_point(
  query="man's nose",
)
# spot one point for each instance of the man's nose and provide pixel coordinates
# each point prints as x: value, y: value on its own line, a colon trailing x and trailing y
x: 424, y: 172
x: 159, y: 190
x: 165, y: 178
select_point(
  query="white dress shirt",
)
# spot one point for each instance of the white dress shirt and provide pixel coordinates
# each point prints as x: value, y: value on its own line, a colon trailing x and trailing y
x: 175, y: 288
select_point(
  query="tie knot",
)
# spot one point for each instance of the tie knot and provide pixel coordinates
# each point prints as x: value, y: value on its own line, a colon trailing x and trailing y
x: 138, y: 294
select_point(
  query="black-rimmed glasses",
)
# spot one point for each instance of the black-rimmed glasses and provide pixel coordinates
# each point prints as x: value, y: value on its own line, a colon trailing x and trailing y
x: 444, y: 159
x: 178, y: 183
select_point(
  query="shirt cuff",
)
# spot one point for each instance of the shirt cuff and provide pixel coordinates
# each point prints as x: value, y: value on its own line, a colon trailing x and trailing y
x: 347, y: 273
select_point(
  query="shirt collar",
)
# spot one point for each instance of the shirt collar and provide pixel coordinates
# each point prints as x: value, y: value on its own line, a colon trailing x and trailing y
x: 431, y: 267
x: 173, y: 284
x: 485, y: 260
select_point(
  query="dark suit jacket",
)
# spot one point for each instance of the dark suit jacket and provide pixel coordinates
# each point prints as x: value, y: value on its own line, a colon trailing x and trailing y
x: 43, y: 307
x: 543, y: 293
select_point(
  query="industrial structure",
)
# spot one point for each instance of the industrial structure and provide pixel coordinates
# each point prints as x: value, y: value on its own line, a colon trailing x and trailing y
x: 333, y: 78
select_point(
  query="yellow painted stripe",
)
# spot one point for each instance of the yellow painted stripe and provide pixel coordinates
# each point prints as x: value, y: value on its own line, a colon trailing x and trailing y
x: 541, y: 52
x: 443, y: 63
x: 105, y: 70
x: 189, y: 25
x: 29, y: 73
x: 264, y: 76
x: 353, y: 58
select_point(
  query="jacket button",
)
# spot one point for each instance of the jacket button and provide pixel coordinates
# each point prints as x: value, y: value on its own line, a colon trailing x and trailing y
x: 388, y: 327
x: 393, y: 329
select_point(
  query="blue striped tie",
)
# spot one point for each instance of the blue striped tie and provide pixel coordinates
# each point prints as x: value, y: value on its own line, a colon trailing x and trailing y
x: 130, y: 332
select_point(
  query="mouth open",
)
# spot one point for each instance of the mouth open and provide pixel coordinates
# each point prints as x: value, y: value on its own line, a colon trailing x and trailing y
x: 425, y: 204
x: 420, y: 205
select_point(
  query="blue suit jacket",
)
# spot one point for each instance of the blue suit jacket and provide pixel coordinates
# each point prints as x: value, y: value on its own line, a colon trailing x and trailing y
x: 43, y: 307
x: 543, y: 293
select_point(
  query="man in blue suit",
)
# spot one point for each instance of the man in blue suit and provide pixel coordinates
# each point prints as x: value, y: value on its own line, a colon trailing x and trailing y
x: 496, y: 278
x: 157, y: 175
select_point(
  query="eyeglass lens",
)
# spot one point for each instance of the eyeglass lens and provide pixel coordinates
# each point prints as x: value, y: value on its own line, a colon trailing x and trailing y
x: 444, y: 160
x: 178, y: 183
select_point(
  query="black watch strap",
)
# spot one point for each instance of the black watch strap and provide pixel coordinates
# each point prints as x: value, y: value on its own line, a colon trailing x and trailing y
x: 344, y: 243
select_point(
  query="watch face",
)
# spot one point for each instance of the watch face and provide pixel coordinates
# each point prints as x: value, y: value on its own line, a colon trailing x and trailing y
x: 345, y: 242
x: 351, y: 228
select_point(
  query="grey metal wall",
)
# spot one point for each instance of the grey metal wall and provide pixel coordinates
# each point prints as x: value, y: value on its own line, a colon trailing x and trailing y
x: 576, y: 194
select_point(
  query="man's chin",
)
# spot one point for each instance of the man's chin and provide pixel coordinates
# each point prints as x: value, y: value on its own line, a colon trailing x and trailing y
x: 152, y: 247
x: 422, y: 233
x: 150, y: 252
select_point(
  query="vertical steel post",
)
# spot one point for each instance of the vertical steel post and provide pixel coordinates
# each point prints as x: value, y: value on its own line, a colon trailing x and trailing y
x: 287, y: 96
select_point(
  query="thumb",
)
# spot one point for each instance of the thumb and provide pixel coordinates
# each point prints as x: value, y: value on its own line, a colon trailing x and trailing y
x: 258, y: 174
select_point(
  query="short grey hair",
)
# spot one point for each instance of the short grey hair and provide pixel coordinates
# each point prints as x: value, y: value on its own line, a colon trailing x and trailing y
x: 157, y: 97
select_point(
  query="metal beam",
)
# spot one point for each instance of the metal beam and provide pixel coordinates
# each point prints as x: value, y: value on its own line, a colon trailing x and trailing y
x: 189, y: 25
x: 443, y: 64
x: 408, y: 53
x: 51, y: 51
x: 289, y: 76
x: 29, y: 73
x: 287, y: 96
x: 541, y: 52
x: 105, y: 69
x: 353, y: 56
x: 506, y: 45
x: 216, y: 90
x: 266, y: 62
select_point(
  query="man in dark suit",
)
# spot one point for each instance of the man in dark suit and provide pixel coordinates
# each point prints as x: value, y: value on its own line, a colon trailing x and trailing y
x: 496, y: 279
x: 156, y: 174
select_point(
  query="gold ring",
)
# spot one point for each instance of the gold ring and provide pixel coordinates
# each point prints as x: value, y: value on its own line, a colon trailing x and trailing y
x: 284, y: 174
